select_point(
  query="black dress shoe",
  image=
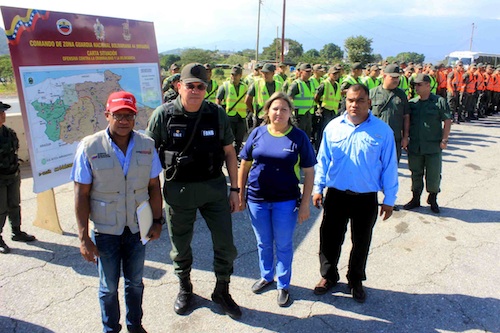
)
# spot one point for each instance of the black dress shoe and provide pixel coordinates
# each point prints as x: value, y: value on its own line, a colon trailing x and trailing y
x: 283, y: 297
x: 323, y: 286
x: 358, y: 292
x: 260, y: 285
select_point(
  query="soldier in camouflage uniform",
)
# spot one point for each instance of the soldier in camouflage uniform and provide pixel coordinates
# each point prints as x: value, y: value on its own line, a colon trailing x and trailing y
x: 10, y: 183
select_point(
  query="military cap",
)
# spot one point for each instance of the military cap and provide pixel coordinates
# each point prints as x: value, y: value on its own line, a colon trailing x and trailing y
x: 174, y: 66
x: 268, y: 68
x: 4, y: 106
x: 357, y: 65
x: 208, y: 67
x: 236, y: 70
x: 333, y: 70
x: 392, y: 70
x: 422, y: 78
x: 194, y: 72
x: 318, y: 67
x: 305, y: 67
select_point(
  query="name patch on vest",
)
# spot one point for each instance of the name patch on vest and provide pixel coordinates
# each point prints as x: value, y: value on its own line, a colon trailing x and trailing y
x: 208, y: 132
x: 100, y: 155
x: 147, y: 152
x: 178, y: 133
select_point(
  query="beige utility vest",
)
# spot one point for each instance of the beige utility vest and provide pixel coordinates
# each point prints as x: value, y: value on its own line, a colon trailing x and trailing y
x: 115, y: 197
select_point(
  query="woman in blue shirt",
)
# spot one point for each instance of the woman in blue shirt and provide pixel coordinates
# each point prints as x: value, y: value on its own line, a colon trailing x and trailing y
x: 271, y: 161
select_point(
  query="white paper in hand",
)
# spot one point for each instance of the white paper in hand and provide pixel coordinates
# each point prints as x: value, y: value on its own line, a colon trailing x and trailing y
x: 145, y: 220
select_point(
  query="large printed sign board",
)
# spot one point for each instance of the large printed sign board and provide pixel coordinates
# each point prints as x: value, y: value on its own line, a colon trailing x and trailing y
x: 65, y: 66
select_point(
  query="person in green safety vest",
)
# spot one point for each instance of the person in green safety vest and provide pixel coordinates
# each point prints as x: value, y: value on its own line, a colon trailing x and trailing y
x: 302, y: 93
x: 372, y: 79
x: 232, y: 94
x: 260, y: 91
x: 353, y: 78
x: 280, y: 73
x: 212, y: 85
x: 328, y: 97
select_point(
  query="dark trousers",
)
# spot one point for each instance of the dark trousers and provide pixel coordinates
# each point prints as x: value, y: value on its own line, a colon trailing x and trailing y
x: 239, y: 128
x: 210, y: 198
x: 10, y: 200
x: 341, y: 207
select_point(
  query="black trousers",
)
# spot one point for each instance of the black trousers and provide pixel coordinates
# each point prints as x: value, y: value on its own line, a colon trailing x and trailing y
x: 340, y: 207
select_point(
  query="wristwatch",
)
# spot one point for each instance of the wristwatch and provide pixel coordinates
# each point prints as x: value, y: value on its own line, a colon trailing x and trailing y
x: 160, y: 221
x: 234, y: 189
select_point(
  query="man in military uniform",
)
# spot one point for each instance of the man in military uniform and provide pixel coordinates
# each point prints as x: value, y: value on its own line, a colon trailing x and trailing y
x: 454, y: 90
x: 174, y: 69
x: 172, y: 92
x: 232, y: 95
x: 390, y: 104
x: 428, y: 137
x: 212, y: 85
x: 195, y: 139
x: 328, y: 97
x: 280, y: 74
x: 260, y: 91
x: 301, y: 91
x: 10, y: 183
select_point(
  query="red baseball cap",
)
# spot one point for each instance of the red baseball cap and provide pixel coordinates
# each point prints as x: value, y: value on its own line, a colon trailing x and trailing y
x: 121, y: 100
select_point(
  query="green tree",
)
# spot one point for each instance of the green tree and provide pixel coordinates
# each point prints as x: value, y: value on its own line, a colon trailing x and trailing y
x: 414, y: 57
x: 6, y: 71
x: 331, y: 53
x: 311, y: 56
x: 197, y: 55
x: 247, y: 53
x: 359, y: 49
x: 236, y: 58
x: 168, y: 59
x: 295, y: 50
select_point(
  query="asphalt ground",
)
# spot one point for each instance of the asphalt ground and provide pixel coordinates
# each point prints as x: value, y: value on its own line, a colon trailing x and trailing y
x: 426, y: 272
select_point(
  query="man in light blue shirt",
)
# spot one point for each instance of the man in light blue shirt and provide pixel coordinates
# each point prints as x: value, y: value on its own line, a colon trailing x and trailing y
x: 356, y: 159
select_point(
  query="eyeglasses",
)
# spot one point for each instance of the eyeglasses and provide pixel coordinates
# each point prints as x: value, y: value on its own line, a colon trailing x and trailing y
x: 191, y: 86
x: 120, y: 117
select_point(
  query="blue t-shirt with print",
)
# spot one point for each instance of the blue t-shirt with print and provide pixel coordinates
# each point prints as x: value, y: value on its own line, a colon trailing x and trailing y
x: 275, y: 172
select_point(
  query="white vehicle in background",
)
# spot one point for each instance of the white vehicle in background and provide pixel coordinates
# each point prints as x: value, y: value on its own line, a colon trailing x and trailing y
x: 469, y: 57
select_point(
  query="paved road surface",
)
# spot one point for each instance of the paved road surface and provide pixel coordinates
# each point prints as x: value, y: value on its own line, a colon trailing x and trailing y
x: 426, y: 272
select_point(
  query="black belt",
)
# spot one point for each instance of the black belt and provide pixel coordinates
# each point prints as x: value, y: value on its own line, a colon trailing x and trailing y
x: 349, y: 192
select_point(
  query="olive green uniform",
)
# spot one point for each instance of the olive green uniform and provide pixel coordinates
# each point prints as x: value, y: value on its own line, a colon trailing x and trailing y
x: 424, y: 151
x: 10, y: 179
x: 184, y: 199
x: 391, y: 106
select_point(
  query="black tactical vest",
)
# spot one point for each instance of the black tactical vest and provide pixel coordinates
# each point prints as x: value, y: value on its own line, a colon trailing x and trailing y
x: 203, y: 158
x: 9, y: 145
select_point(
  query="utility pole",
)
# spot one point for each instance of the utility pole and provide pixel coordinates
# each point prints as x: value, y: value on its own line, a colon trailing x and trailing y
x: 283, y: 33
x: 258, y: 33
x: 471, y: 37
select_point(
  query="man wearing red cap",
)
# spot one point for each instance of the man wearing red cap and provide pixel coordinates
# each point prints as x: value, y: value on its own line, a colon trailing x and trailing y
x: 116, y: 170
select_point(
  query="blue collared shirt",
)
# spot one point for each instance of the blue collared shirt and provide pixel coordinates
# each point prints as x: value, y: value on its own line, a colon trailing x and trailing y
x: 360, y: 158
x: 82, y: 172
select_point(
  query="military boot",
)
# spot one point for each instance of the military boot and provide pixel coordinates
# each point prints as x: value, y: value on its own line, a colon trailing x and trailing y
x: 4, y: 248
x: 183, y: 300
x: 432, y: 200
x: 21, y: 236
x: 414, y: 202
x: 222, y: 297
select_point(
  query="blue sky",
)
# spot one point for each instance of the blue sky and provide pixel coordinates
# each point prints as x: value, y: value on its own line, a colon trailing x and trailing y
x: 433, y: 28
